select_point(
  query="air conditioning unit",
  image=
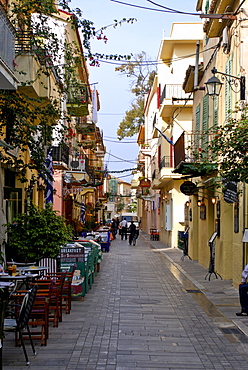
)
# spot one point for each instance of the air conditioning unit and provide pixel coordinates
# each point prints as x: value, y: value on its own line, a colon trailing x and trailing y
x: 78, y: 165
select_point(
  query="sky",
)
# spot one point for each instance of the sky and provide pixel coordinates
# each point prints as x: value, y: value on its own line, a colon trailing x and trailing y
x: 145, y: 34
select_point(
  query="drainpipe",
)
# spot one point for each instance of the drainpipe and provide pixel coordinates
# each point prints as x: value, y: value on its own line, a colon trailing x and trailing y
x: 196, y: 65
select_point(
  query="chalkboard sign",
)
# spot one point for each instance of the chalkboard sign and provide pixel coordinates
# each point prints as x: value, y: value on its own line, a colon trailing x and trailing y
x: 230, y: 192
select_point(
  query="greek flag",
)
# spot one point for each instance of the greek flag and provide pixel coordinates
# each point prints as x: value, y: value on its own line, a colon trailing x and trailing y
x: 164, y: 136
x: 49, y: 178
x: 83, y: 212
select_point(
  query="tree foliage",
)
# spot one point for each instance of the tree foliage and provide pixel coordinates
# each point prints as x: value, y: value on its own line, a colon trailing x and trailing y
x: 36, y: 234
x: 141, y: 75
x: 229, y: 147
x: 29, y: 124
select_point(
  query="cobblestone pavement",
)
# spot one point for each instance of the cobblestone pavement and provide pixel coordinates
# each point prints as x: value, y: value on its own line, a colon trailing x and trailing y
x: 144, y: 311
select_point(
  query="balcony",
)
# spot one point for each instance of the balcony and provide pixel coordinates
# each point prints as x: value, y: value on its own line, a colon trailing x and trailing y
x: 155, y: 181
x: 173, y: 96
x: 77, y: 101
x: 61, y: 156
x: 35, y: 81
x: 213, y: 27
x: 166, y: 167
x: 193, y: 156
x: 7, y: 53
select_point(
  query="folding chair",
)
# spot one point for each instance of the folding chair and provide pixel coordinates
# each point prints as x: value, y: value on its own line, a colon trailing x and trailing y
x: 20, y: 318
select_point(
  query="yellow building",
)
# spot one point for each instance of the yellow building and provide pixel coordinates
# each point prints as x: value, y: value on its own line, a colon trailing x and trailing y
x: 168, y: 113
x: 217, y: 215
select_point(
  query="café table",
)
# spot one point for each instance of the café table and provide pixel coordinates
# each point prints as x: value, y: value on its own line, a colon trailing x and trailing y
x: 40, y: 270
x: 18, y: 280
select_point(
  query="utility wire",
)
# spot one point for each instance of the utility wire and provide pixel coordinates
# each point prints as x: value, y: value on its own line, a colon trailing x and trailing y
x: 124, y: 160
x: 156, y: 10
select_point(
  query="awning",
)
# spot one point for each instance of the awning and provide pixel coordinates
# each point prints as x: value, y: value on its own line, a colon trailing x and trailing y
x: 87, y: 190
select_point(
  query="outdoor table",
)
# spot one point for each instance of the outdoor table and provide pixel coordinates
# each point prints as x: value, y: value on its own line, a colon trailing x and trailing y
x: 23, y: 279
x: 40, y: 270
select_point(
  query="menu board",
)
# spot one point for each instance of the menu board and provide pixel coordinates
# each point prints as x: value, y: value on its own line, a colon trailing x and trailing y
x: 71, y: 255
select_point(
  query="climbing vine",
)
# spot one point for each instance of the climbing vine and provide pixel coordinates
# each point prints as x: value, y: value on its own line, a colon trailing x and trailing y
x: 29, y: 123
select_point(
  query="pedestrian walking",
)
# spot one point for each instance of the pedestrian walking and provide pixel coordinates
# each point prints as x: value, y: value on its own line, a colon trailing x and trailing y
x: 123, y: 225
x: 132, y: 229
x: 113, y: 228
x: 243, y: 293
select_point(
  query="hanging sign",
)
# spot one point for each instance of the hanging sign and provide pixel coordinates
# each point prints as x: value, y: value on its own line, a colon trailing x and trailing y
x: 188, y: 188
x: 230, y: 192
x: 145, y: 183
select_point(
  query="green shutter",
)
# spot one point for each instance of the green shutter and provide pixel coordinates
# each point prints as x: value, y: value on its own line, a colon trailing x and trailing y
x: 215, y: 111
x: 197, y: 126
x: 228, y: 90
x: 205, y: 123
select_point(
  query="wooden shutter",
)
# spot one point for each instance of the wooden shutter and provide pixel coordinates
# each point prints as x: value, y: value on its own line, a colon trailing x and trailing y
x: 197, y: 126
x: 215, y: 111
x: 205, y: 123
x: 228, y: 90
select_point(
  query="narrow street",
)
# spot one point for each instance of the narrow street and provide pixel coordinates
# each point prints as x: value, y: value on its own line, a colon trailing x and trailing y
x: 136, y: 316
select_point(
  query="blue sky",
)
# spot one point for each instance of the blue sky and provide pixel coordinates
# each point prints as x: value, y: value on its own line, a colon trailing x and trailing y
x: 144, y: 35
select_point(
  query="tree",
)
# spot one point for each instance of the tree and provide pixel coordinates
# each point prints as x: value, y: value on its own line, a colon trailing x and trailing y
x: 30, y: 124
x: 141, y: 74
x: 228, y: 146
x: 36, y: 234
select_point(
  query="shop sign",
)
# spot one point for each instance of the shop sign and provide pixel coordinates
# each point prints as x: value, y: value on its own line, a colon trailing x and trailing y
x: 230, y: 192
x: 74, y: 190
x: 145, y: 183
x: 188, y: 188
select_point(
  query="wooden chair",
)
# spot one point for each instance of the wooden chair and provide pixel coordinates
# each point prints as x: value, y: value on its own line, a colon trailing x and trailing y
x: 51, y: 263
x: 66, y: 291
x: 20, y: 320
x: 39, y: 317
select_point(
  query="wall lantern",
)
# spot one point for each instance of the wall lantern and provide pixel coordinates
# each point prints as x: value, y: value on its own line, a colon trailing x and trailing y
x: 199, y: 202
x: 214, y: 199
x: 214, y: 85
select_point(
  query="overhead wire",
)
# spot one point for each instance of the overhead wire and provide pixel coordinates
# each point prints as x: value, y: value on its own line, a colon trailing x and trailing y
x: 156, y: 10
x: 124, y: 160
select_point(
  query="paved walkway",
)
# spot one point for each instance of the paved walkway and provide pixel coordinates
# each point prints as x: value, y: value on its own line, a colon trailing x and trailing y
x: 146, y: 310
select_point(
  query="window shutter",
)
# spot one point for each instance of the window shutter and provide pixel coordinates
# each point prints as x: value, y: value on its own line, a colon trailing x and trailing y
x: 205, y: 121
x: 228, y: 90
x: 197, y: 126
x: 215, y: 112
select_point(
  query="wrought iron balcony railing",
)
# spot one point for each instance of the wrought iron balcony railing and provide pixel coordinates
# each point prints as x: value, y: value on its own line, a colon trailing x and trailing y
x: 166, y: 162
x: 61, y: 154
x: 7, y: 43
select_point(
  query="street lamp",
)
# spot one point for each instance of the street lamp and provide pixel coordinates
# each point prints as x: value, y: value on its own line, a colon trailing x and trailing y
x: 214, y: 85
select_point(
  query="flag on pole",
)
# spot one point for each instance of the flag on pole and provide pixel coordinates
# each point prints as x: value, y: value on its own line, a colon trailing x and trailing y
x: 164, y: 136
x: 83, y: 212
x: 49, y: 178
x: 94, y: 106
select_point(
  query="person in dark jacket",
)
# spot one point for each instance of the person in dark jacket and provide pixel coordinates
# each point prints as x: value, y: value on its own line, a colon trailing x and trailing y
x: 132, y: 229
